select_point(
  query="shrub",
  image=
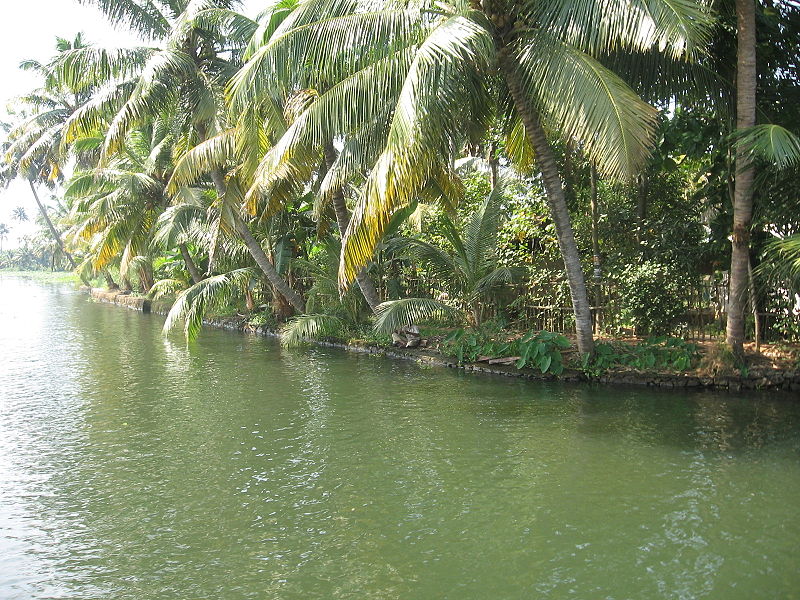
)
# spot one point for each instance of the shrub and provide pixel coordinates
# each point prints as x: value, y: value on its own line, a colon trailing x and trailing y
x: 652, y: 298
x: 654, y: 353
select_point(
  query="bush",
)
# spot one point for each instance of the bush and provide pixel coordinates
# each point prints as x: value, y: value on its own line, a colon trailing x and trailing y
x: 652, y: 297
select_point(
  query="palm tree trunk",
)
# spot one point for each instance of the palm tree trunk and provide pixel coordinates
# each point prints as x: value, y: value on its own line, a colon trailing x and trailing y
x: 53, y: 230
x: 368, y: 289
x: 743, y: 186
x: 146, y: 278
x: 556, y: 201
x: 262, y: 260
x: 110, y: 283
x: 194, y: 272
x: 597, y: 273
x: 641, y: 209
x: 754, y: 305
x: 256, y: 251
x: 494, y: 164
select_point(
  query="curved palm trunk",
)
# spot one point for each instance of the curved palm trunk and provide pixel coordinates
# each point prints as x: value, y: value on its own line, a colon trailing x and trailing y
x: 262, y: 260
x: 257, y: 252
x: 110, y: 283
x: 146, y: 278
x: 194, y: 272
x: 743, y: 186
x: 597, y: 274
x: 53, y: 230
x: 556, y: 201
x: 368, y: 289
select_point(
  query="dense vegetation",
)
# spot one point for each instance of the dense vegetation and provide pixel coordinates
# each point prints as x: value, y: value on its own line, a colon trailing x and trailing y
x: 341, y: 167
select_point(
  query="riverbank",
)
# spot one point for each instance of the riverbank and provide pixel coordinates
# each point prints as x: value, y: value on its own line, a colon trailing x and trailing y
x: 759, y: 377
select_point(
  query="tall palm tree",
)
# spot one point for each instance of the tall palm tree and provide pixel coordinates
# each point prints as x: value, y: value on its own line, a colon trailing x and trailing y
x: 745, y: 172
x: 19, y: 214
x: 443, y: 70
x: 758, y: 148
x: 192, y: 68
x: 115, y: 207
x: 37, y: 148
x: 4, y: 231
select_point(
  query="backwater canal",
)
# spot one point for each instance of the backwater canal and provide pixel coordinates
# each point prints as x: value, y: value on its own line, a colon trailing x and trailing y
x: 135, y: 467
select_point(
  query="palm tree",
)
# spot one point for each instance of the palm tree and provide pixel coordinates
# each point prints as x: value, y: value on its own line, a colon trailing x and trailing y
x: 115, y: 207
x: 769, y: 144
x: 36, y: 150
x: 467, y: 272
x: 19, y: 214
x: 745, y: 171
x: 192, y: 70
x: 443, y: 71
x: 4, y: 231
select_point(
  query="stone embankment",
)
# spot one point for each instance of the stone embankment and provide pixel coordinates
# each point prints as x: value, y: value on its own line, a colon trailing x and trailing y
x: 757, y: 379
x: 129, y: 300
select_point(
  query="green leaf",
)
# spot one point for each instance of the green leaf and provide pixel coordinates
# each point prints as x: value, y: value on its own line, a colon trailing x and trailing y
x: 771, y: 143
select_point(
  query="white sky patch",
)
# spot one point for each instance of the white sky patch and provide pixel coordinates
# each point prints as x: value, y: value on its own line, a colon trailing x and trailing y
x: 28, y: 30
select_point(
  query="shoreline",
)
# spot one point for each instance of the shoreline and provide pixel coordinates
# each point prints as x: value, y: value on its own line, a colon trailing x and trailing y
x: 759, y: 379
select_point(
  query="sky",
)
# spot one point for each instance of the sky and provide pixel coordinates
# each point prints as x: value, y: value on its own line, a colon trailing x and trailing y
x: 28, y: 29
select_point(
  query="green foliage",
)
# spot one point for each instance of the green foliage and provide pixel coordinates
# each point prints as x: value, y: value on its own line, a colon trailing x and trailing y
x: 363, y: 334
x: 263, y: 319
x: 652, y: 298
x: 304, y: 328
x: 656, y: 353
x: 223, y: 120
x: 395, y: 314
x: 535, y: 349
x: 203, y: 298
x: 461, y: 260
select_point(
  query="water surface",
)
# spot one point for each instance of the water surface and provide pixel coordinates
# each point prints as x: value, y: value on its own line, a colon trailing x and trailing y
x: 135, y: 467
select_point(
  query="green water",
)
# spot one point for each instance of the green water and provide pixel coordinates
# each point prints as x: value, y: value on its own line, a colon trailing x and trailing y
x: 135, y: 467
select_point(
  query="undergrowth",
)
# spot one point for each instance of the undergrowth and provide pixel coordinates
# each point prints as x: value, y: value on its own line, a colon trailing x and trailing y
x: 659, y: 353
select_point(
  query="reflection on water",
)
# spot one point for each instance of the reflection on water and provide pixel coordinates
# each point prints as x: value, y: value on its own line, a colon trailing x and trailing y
x: 133, y: 466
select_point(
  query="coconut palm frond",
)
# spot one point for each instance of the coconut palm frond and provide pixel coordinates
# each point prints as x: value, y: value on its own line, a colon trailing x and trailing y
x: 166, y: 287
x: 194, y: 303
x: 394, y: 314
x: 143, y: 16
x: 480, y: 233
x: 771, y: 143
x: 783, y: 259
x: 203, y: 158
x: 586, y: 101
x: 489, y: 283
x: 308, y: 327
